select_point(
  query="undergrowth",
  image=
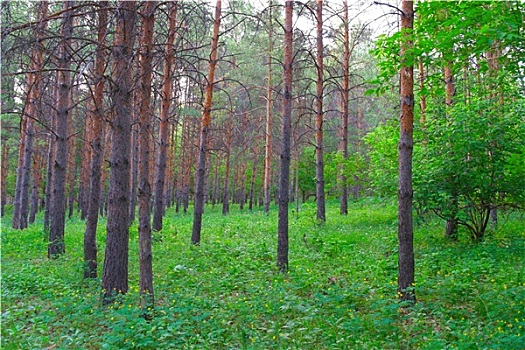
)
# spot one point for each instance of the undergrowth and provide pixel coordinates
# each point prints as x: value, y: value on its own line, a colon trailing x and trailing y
x: 340, y: 292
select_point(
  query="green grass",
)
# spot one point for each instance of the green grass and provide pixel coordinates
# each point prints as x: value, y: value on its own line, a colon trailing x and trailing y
x: 340, y: 292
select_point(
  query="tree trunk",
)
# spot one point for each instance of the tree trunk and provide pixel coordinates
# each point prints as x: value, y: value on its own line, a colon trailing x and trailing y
x: 97, y: 149
x: 169, y: 52
x: 71, y: 165
x: 343, y: 207
x: 254, y: 174
x: 206, y: 120
x: 451, y: 228
x: 405, y: 192
x: 26, y: 174
x: 115, y: 277
x: 32, y: 111
x: 226, y: 198
x: 268, y: 132
x: 5, y: 172
x: 145, y: 252
x: 58, y: 207
x: 284, y: 183
x: 422, y: 97
x: 83, y: 188
x: 319, y: 162
x: 134, y: 170
x: 38, y: 164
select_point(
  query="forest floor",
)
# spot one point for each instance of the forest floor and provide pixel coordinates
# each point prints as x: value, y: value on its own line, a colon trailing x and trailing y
x: 340, y: 292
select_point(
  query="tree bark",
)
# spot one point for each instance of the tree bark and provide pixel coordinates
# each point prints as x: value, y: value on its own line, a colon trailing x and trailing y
x: 405, y: 192
x: 254, y: 174
x: 451, y: 227
x: 115, y: 277
x: 83, y: 188
x: 32, y: 111
x: 37, y: 182
x: 284, y: 183
x: 5, y: 173
x: 97, y: 149
x: 343, y: 207
x: 145, y: 252
x: 268, y: 132
x: 226, y: 198
x: 58, y: 207
x: 319, y: 162
x: 205, y: 125
x: 169, y: 52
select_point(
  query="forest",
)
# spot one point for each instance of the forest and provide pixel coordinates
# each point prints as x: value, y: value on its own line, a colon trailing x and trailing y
x: 263, y: 174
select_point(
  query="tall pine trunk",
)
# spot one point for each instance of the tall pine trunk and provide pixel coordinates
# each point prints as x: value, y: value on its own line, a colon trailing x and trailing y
x: 160, y: 197
x: 268, y: 131
x: 97, y: 150
x: 32, y: 111
x: 58, y: 207
x: 284, y: 180
x: 343, y: 207
x: 319, y: 162
x: 406, y: 142
x: 115, y: 277
x: 5, y: 173
x: 145, y: 252
x: 205, y: 127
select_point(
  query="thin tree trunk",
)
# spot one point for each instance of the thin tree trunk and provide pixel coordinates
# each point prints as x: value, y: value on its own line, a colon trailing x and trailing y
x: 71, y: 165
x: 5, y: 173
x: 49, y: 175
x: 268, y: 132
x: 169, y: 52
x: 226, y: 198
x: 97, y: 149
x: 254, y: 174
x: 58, y: 207
x: 134, y: 170
x: 284, y: 180
x: 38, y: 164
x: 451, y: 227
x: 319, y: 162
x: 343, y: 207
x: 32, y: 110
x: 115, y: 277
x: 405, y: 192
x: 422, y: 97
x: 206, y: 120
x: 86, y: 154
x: 145, y: 252
x: 26, y: 174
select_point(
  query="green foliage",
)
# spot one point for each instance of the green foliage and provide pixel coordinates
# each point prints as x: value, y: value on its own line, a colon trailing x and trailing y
x: 472, y: 159
x: 227, y: 293
x: 382, y: 143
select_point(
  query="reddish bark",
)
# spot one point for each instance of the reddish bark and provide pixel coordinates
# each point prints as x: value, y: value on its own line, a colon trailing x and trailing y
x: 38, y: 165
x: 96, y: 150
x: 284, y: 180
x: 27, y: 130
x: 343, y: 208
x: 319, y: 162
x: 406, y: 142
x: 160, y: 183
x: 205, y: 125
x: 145, y: 252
